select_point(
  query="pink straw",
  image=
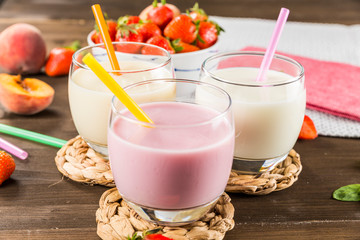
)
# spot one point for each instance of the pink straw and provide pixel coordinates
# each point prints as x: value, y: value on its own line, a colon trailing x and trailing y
x: 270, y: 51
x: 9, y: 147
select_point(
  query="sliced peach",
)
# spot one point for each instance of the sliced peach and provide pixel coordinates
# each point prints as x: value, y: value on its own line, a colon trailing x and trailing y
x: 27, y: 96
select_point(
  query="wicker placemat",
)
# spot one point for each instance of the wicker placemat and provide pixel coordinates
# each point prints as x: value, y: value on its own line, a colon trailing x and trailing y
x: 77, y: 161
x: 116, y: 220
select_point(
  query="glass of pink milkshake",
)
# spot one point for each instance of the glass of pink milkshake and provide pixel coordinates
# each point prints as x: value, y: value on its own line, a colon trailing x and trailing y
x: 173, y: 171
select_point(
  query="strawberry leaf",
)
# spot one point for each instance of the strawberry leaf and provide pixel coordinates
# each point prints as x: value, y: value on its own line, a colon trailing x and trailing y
x: 196, y: 8
x: 176, y: 45
x: 348, y: 193
x: 74, y: 46
x: 155, y: 3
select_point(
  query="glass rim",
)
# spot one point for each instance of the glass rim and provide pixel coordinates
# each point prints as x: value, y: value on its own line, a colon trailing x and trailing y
x: 252, y: 53
x: 173, y: 80
x: 160, y: 65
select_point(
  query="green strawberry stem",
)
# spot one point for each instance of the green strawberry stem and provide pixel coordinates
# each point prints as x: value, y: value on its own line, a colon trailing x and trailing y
x: 155, y: 3
x: 74, y: 45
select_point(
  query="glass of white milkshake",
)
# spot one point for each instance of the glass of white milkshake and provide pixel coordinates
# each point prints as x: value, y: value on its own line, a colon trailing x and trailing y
x: 90, y: 99
x: 268, y: 114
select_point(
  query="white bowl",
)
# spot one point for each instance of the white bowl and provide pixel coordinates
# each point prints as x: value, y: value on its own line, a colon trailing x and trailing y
x: 186, y: 65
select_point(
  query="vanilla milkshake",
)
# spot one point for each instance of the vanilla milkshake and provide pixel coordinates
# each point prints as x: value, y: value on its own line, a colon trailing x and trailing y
x: 90, y: 99
x: 268, y: 114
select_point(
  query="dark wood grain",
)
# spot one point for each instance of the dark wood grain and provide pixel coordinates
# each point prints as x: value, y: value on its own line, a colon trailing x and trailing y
x: 37, y: 203
x: 301, y: 10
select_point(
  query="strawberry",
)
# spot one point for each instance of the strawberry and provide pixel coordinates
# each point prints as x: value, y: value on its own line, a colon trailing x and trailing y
x: 112, y: 28
x: 149, y: 235
x: 149, y: 30
x: 128, y: 33
x: 156, y: 237
x: 160, y: 15
x: 59, y: 60
x: 158, y: 41
x: 7, y: 166
x: 308, y: 130
x: 208, y: 34
x: 181, y: 27
x: 181, y: 47
x: 128, y: 20
x: 197, y: 14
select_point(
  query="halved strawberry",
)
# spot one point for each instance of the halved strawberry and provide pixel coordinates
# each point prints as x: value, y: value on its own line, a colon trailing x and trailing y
x: 197, y: 14
x: 149, y: 30
x: 160, y: 15
x: 308, y: 130
x: 181, y: 47
x: 181, y: 27
x: 158, y: 41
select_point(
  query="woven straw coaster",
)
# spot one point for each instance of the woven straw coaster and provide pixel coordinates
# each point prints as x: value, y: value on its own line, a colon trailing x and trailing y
x: 116, y: 220
x: 282, y: 176
x: 77, y: 161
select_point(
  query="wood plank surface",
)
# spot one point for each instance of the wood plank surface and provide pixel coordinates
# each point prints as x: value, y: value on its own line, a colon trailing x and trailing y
x: 38, y: 203
x: 330, y: 11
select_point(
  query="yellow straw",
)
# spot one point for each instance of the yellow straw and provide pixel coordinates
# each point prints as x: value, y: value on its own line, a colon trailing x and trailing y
x: 115, y: 88
x: 100, y: 21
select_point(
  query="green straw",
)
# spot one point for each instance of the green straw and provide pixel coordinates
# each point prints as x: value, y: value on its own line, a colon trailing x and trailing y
x: 33, y: 136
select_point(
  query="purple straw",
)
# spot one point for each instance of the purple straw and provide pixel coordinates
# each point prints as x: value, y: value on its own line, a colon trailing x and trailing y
x: 270, y: 51
x: 11, y: 148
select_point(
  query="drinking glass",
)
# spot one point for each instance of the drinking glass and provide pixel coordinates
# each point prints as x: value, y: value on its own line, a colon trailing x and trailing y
x: 268, y: 114
x: 173, y: 171
x: 90, y: 99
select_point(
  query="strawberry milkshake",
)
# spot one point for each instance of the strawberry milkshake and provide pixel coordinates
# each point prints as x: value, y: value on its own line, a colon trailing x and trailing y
x: 179, y: 166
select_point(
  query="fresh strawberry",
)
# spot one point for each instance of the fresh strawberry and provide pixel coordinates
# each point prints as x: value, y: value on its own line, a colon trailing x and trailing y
x: 128, y: 20
x: 7, y: 166
x: 128, y: 33
x: 59, y: 60
x: 181, y: 27
x: 197, y: 14
x: 112, y: 28
x: 208, y: 34
x: 149, y: 30
x: 158, y: 41
x: 149, y: 235
x: 156, y: 237
x: 308, y: 130
x: 181, y: 47
x: 160, y: 15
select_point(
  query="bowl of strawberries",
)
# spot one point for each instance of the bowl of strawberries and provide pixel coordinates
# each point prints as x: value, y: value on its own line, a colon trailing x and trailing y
x: 190, y: 38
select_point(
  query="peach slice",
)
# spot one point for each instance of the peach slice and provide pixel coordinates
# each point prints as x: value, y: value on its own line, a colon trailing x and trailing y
x: 27, y: 96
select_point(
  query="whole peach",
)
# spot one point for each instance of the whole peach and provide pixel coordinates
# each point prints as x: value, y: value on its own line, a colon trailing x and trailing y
x: 22, y: 49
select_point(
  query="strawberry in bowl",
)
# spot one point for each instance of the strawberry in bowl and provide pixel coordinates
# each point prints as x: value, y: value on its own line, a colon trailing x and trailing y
x: 190, y: 37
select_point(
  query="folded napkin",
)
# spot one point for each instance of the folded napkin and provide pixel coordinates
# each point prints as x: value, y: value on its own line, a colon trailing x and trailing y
x: 331, y: 87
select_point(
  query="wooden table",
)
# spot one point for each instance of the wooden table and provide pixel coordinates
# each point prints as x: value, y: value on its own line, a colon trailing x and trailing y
x: 37, y: 203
